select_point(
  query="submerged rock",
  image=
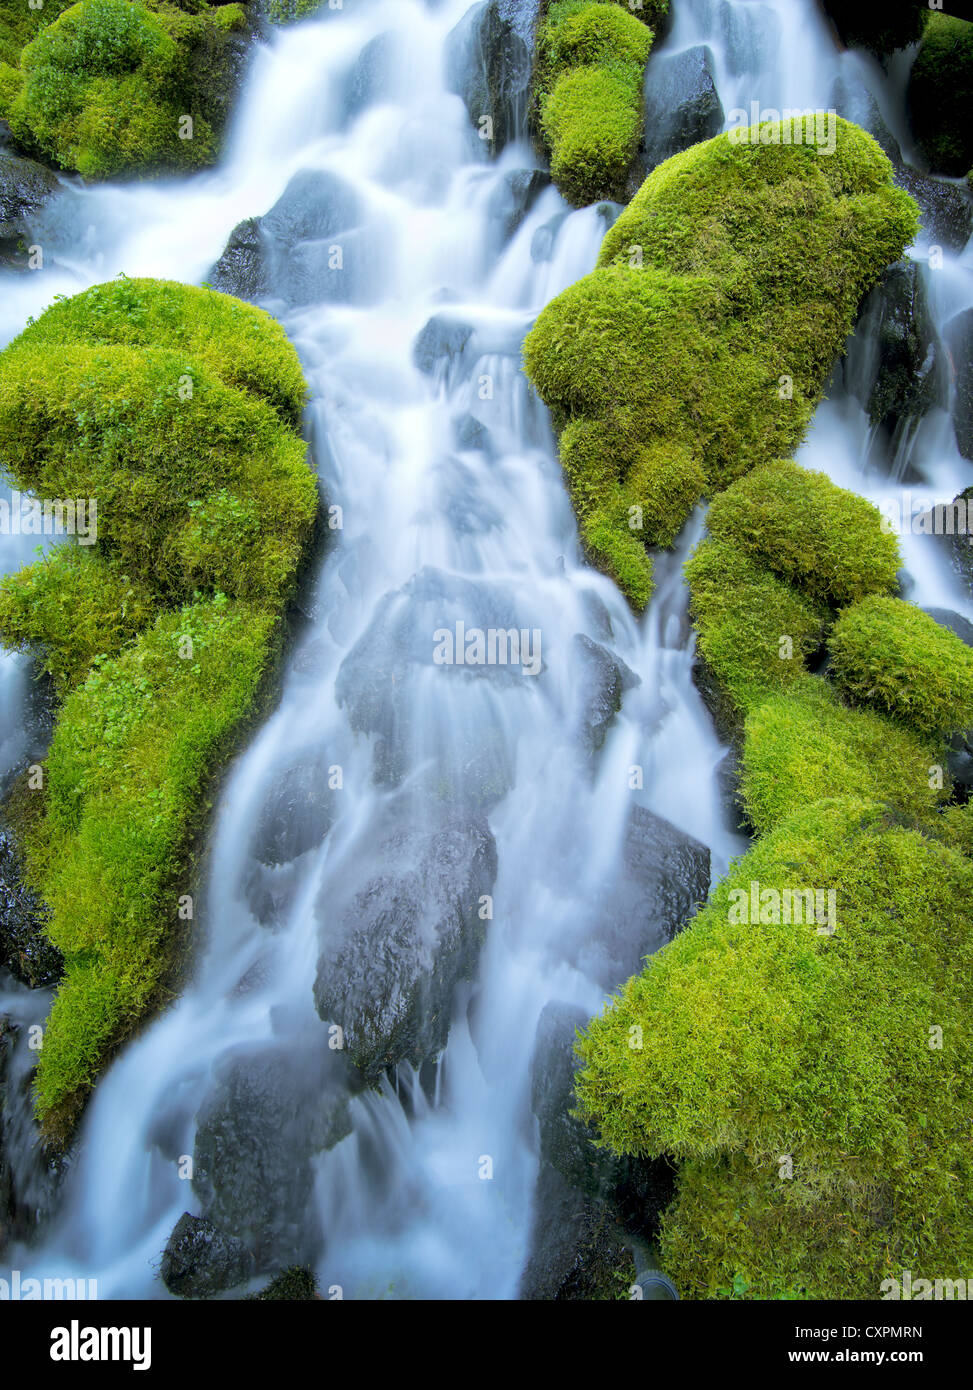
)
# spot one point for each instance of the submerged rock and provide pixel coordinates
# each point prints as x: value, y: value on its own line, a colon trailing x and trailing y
x: 604, y: 680
x: 441, y: 343
x: 662, y: 878
x: 682, y: 106
x: 200, y: 1260
x: 488, y: 64
x: 515, y: 195
x: 370, y: 75
x: 395, y: 949
x: 958, y: 336
x: 272, y: 1110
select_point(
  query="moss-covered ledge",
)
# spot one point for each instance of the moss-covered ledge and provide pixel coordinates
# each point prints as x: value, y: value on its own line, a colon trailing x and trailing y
x: 121, y: 87
x: 177, y: 410
x: 699, y: 347
x: 587, y: 91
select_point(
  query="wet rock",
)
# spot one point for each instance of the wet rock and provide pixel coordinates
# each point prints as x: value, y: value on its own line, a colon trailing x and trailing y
x: 200, y: 1260
x: 295, y: 1285
x: 681, y: 104
x: 950, y: 525
x: 315, y: 204
x: 542, y: 242
x: 603, y: 681
x: 470, y: 433
x: 242, y: 269
x: 25, y: 188
x: 370, y: 76
x: 956, y: 623
x: 441, y: 344
x: 853, y: 101
x: 297, y: 812
x: 577, y: 1251
x: 515, y: 196
x: 488, y: 64
x: 24, y: 947
x: 272, y: 1110
x: 946, y: 208
x: 662, y: 878
x: 958, y: 338
x: 410, y: 930
x: 896, y: 366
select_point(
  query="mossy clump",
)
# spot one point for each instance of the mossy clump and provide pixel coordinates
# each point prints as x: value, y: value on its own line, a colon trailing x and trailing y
x: 115, y: 87
x: 812, y: 1068
x: 724, y: 293
x: 804, y: 745
x: 19, y: 24
x: 294, y: 1285
x: 940, y: 95
x: 754, y: 630
x: 591, y: 57
x: 890, y: 654
x: 174, y: 410
x: 825, y: 540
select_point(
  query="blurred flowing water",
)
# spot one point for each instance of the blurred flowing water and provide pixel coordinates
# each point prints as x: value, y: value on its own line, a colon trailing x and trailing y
x: 453, y: 508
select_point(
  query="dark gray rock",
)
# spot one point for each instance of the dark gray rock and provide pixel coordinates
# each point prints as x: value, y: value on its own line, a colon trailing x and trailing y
x: 577, y: 1252
x: 603, y: 681
x: 662, y: 878
x: 956, y: 623
x: 242, y: 268
x: 681, y: 104
x: 514, y: 197
x: 395, y: 950
x: 314, y: 205
x: 440, y: 345
x: 949, y: 524
x: 24, y: 947
x: 200, y: 1260
x: 895, y: 365
x: 297, y: 812
x: 272, y: 1110
x: 25, y: 188
x: 488, y: 64
x: 370, y: 75
x: 958, y: 338
x: 853, y: 101
x: 946, y: 208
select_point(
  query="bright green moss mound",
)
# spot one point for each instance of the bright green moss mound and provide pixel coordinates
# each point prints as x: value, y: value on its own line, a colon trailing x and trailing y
x: 75, y: 606
x: 764, y: 1039
x: 754, y: 630
x: 108, y: 87
x: 940, y: 95
x: 891, y: 654
x: 724, y: 294
x: 591, y: 60
x: 19, y: 24
x: 128, y: 767
x: 825, y: 540
x: 175, y: 410
x: 804, y: 745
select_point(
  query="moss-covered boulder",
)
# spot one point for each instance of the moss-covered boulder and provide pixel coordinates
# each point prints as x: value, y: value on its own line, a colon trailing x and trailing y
x: 174, y: 411
x: 940, y: 95
x: 591, y: 57
x: 890, y: 654
x: 698, y: 348
x: 811, y: 1067
x: 121, y: 87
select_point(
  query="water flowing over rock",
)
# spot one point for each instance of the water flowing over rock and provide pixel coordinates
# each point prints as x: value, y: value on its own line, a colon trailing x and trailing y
x: 604, y: 680
x: 410, y: 930
x: 946, y: 208
x: 959, y: 343
x: 488, y: 64
x: 25, y: 188
x: 681, y: 104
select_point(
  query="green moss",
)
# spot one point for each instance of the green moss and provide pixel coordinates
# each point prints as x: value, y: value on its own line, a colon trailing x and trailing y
x: 74, y: 606
x: 890, y: 654
x: 107, y: 87
x: 825, y: 540
x: 291, y: 11
x: 770, y: 1039
x: 296, y: 1284
x: 940, y: 95
x: 804, y: 745
x: 591, y: 60
x: 19, y: 24
x: 174, y: 409
x: 724, y: 293
x: 754, y: 631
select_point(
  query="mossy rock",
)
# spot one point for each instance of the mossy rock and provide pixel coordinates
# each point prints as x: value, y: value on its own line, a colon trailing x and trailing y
x: 175, y: 410
x: 796, y: 1066
x: 591, y: 57
x: 890, y: 654
x: 881, y: 28
x: 724, y: 293
x: 804, y: 745
x: 825, y: 540
x: 940, y: 95
x: 113, y: 87
x: 754, y: 630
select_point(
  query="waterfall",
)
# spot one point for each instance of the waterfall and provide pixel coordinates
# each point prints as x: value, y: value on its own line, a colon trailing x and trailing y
x: 452, y: 508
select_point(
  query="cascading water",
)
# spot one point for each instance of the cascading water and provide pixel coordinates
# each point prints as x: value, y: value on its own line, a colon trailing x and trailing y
x: 452, y: 509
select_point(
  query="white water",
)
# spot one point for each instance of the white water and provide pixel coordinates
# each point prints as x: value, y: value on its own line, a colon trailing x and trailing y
x: 402, y: 1204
